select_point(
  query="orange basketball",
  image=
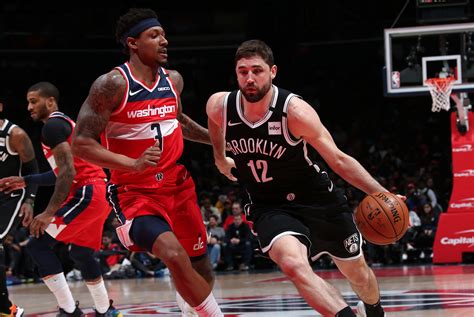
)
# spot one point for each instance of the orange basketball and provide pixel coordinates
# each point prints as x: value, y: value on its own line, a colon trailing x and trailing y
x: 382, y: 218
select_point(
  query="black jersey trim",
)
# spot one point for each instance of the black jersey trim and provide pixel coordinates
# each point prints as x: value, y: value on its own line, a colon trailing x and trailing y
x: 224, y: 115
x: 9, y: 127
x: 291, y: 140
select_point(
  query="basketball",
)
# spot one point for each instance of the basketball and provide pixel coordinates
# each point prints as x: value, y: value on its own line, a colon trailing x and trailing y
x: 382, y: 218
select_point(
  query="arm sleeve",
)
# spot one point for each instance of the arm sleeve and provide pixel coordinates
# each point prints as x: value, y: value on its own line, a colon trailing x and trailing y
x: 43, y: 179
x: 56, y: 131
x: 28, y: 169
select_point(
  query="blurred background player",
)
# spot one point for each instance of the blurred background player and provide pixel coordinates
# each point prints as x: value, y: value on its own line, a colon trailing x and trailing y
x: 76, y: 211
x: 17, y: 157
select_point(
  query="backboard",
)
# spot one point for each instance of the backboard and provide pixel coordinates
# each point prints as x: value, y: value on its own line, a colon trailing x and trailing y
x: 414, y: 54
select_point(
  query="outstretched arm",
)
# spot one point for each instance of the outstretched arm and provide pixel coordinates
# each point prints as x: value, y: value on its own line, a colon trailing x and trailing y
x: 304, y: 122
x: 104, y: 97
x: 192, y: 130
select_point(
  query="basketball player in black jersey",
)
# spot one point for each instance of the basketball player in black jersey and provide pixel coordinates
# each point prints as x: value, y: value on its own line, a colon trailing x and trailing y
x: 17, y: 157
x: 274, y: 138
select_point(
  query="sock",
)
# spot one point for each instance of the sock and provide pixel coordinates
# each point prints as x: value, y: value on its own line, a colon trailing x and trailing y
x: 209, y: 307
x: 186, y: 309
x: 58, y: 286
x: 100, y: 296
x: 375, y: 310
x: 346, y: 312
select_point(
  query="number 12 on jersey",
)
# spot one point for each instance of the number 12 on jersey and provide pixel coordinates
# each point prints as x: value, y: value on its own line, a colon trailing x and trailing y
x: 259, y: 167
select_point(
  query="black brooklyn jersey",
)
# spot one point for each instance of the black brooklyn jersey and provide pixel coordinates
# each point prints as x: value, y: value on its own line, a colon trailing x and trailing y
x: 273, y: 165
x: 10, y: 163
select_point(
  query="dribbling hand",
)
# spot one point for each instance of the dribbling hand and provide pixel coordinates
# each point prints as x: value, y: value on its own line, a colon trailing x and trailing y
x: 149, y: 158
x: 224, y: 166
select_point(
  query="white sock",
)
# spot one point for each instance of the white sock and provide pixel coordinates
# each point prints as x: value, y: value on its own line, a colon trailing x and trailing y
x: 186, y: 309
x: 58, y: 286
x: 209, y: 307
x: 100, y: 296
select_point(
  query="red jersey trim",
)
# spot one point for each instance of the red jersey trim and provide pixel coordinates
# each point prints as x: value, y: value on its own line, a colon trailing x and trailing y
x: 125, y: 97
x: 173, y: 88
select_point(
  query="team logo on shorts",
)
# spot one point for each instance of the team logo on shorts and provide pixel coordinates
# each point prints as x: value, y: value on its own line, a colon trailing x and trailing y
x: 352, y: 243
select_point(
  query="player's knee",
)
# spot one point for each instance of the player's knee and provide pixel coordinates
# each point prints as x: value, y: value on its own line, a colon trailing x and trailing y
x: 359, y: 275
x: 173, y: 257
x: 293, y: 267
x: 40, y: 251
x: 83, y: 258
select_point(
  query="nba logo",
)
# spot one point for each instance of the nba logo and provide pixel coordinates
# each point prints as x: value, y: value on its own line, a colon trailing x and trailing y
x: 395, y: 79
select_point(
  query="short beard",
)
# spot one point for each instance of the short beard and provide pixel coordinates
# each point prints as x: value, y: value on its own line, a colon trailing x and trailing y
x: 255, y: 97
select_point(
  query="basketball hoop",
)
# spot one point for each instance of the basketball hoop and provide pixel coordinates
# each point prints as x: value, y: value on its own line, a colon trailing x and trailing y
x: 440, y: 89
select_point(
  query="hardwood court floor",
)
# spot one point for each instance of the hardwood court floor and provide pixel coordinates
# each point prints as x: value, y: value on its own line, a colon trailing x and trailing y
x: 406, y: 291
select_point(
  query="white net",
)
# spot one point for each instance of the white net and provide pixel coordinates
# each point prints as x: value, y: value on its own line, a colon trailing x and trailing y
x: 440, y: 89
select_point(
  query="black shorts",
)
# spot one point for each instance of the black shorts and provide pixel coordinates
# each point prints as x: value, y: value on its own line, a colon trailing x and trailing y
x: 324, y: 230
x: 10, y: 208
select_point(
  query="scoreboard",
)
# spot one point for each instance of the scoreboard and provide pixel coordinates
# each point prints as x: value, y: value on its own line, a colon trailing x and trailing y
x: 432, y: 11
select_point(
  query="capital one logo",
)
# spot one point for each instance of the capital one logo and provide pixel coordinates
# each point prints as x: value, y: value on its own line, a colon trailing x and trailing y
x: 465, y: 173
x: 463, y: 148
x: 466, y: 238
x: 463, y: 203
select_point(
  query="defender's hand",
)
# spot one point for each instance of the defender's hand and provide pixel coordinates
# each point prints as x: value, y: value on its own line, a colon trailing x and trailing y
x: 40, y: 223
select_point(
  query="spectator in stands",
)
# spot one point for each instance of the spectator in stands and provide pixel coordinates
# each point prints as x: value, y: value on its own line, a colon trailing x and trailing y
x: 12, y: 256
x: 207, y: 209
x: 146, y: 263
x: 429, y: 222
x: 217, y: 235
x: 226, y: 210
x: 110, y: 254
x: 238, y: 242
x: 236, y: 211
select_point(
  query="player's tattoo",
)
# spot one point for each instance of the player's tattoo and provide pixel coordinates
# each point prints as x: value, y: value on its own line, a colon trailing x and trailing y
x: 22, y: 145
x: 192, y: 130
x: 65, y: 162
x: 106, y: 94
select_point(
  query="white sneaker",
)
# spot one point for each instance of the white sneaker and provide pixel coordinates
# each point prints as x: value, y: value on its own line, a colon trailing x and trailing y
x: 360, y: 309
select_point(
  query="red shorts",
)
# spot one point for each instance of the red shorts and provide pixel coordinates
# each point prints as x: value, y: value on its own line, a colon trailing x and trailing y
x: 80, y: 219
x: 175, y: 201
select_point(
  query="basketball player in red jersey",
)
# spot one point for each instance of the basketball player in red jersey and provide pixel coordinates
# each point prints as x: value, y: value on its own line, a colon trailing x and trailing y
x: 136, y: 108
x: 76, y: 212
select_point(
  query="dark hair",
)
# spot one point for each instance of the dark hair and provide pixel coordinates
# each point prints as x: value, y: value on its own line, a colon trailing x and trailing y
x: 255, y: 48
x: 130, y: 19
x: 107, y: 234
x: 214, y: 216
x: 46, y: 89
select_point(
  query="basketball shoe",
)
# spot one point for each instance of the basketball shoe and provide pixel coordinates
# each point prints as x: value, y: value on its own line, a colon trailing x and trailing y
x: 15, y: 311
x: 111, y: 312
x: 76, y: 313
x: 361, y: 310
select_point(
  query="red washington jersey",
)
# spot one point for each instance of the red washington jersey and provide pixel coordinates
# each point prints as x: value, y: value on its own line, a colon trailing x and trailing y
x: 146, y: 114
x: 85, y: 171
